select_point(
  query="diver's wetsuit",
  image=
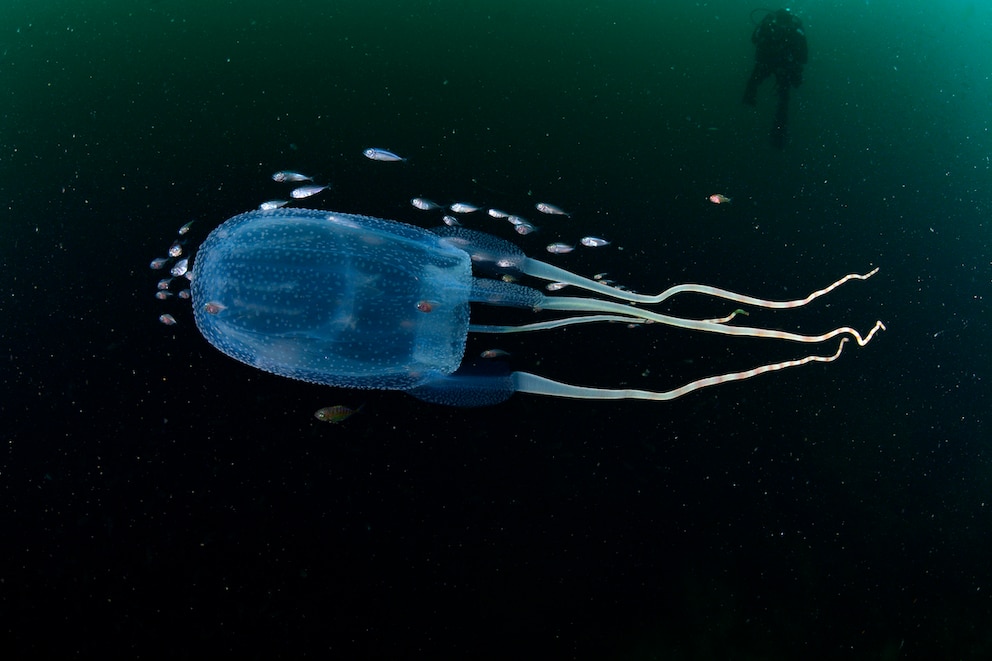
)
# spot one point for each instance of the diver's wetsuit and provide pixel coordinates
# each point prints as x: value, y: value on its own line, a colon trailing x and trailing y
x: 780, y: 49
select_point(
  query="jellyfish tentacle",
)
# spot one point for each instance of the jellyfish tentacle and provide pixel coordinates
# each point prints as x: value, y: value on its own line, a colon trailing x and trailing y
x: 527, y: 382
x: 726, y: 294
x: 747, y: 374
x: 596, y: 305
x: 545, y: 271
x: 728, y: 318
x: 556, y: 323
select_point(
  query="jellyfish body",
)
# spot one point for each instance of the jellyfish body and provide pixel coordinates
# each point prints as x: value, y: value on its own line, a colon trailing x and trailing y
x: 359, y: 302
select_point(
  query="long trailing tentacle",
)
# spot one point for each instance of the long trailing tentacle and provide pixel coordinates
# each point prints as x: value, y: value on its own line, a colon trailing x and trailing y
x: 760, y: 302
x: 527, y: 382
x: 545, y: 271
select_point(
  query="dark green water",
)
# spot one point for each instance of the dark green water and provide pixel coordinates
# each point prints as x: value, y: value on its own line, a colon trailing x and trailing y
x: 161, y: 500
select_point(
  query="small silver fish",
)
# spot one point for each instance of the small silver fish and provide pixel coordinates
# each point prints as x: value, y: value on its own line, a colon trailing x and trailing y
x: 424, y: 204
x: 524, y: 228
x: 376, y: 154
x: 272, y: 204
x: 163, y: 295
x: 451, y: 221
x: 560, y: 248
x: 494, y: 353
x: 164, y: 283
x: 555, y: 286
x: 185, y: 294
x: 287, y: 175
x: 158, y: 263
x: 180, y: 268
x: 544, y: 207
x: 515, y: 220
x: 185, y: 228
x: 175, y: 249
x: 496, y: 213
x: 167, y: 319
x: 593, y: 241
x: 463, y: 207
x: 306, y: 191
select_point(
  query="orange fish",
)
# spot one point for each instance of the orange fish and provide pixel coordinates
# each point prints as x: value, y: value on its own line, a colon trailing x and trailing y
x: 717, y: 198
x: 334, y: 414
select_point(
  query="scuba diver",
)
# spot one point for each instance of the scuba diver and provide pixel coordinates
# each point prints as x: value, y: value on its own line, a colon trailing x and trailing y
x: 780, y: 49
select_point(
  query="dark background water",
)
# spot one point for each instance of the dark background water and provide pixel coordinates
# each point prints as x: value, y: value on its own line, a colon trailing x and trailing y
x: 161, y: 500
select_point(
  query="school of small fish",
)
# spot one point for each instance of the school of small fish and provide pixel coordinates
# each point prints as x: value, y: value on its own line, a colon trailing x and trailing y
x: 520, y: 224
x: 180, y: 271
